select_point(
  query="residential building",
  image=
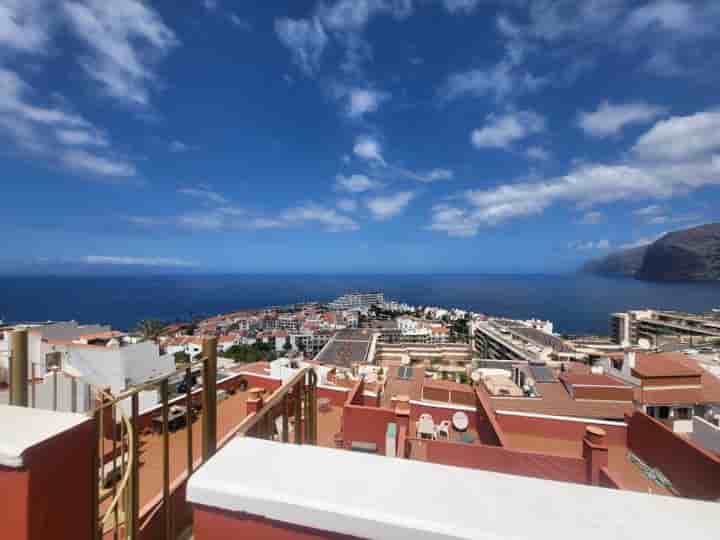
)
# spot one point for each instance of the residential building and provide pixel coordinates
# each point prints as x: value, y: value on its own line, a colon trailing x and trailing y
x: 525, y: 341
x: 652, y: 328
x: 357, y: 300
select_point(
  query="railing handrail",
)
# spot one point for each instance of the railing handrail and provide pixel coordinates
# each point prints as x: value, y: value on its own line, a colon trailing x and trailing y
x: 151, y: 384
x: 120, y: 490
x: 249, y: 422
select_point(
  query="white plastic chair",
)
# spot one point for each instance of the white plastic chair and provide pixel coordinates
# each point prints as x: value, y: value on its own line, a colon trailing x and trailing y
x: 443, y: 428
x: 426, y: 427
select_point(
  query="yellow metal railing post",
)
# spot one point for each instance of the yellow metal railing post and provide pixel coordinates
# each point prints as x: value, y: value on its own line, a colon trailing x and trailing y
x: 209, y: 438
x: 97, y: 526
x: 165, y: 395
x: 19, y: 369
x: 134, y: 518
x: 189, y: 419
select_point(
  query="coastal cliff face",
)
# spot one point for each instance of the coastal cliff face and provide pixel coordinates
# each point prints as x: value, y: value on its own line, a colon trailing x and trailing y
x: 688, y: 255
x: 621, y: 263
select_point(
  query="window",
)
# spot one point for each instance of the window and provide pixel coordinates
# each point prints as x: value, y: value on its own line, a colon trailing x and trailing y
x: 651, y: 412
x: 664, y: 413
x: 683, y: 413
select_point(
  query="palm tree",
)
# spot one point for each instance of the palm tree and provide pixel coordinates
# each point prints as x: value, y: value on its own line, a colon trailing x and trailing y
x: 149, y: 329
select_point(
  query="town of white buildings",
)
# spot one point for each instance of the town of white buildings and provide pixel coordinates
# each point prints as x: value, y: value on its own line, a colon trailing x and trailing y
x: 637, y: 410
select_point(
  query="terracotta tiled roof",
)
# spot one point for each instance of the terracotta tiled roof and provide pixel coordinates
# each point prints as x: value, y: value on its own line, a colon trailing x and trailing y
x: 672, y: 396
x: 664, y: 365
x: 590, y: 379
x: 556, y: 401
x: 448, y: 385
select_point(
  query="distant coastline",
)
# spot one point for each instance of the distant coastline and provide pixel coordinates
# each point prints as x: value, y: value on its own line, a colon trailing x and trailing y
x: 576, y: 303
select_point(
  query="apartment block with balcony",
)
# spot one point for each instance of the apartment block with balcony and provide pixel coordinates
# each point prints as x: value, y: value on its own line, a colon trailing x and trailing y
x: 653, y: 328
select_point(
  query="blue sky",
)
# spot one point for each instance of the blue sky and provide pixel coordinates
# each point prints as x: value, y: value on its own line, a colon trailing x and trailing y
x: 353, y: 135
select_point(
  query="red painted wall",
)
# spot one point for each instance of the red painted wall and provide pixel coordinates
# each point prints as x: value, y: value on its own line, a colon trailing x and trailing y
x: 337, y: 397
x: 503, y: 460
x: 366, y: 424
x: 152, y: 525
x: 558, y: 428
x: 51, y: 495
x: 362, y: 423
x: 693, y: 471
x: 15, y: 487
x: 607, y: 480
x: 488, y: 427
x: 214, y: 524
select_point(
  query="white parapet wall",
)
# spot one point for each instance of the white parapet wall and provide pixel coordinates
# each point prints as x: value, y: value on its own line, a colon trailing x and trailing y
x: 370, y: 496
x: 705, y: 434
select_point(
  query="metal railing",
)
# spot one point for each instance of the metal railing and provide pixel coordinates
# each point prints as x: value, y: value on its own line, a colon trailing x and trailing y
x: 123, y: 474
x: 116, y: 462
x: 295, y: 403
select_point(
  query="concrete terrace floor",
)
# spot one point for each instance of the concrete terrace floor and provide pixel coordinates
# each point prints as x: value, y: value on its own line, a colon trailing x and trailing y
x: 230, y: 413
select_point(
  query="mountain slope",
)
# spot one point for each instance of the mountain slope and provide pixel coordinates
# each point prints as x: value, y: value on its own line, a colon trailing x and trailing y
x: 620, y: 263
x: 688, y: 255
x: 692, y: 254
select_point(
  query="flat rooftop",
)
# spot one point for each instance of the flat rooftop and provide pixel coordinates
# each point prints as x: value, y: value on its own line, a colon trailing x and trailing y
x: 413, y: 499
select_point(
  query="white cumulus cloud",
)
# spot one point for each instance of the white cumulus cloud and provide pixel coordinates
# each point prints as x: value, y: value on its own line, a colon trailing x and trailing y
x: 385, y: 207
x: 356, y: 183
x: 502, y: 131
x: 126, y: 38
x: 610, y: 119
x: 306, y: 39
x: 368, y: 148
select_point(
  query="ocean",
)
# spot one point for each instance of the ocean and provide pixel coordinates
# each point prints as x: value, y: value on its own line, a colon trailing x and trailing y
x: 576, y: 303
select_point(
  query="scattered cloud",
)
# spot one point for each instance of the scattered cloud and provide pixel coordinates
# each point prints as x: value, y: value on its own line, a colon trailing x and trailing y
x: 328, y: 218
x: 671, y: 15
x: 538, y: 153
x: 347, y: 205
x: 368, y: 148
x: 218, y: 213
x: 204, y: 193
x: 126, y: 38
x: 453, y: 221
x: 363, y: 101
x: 590, y: 245
x: 87, y: 162
x: 461, y: 6
x: 210, y: 5
x: 306, y: 39
x: 669, y: 219
x: 81, y: 137
x: 24, y: 25
x: 427, y: 177
x: 500, y: 81
x: 673, y: 157
x: 242, y: 24
x: 356, y: 183
x: 644, y: 241
x: 650, y: 210
x: 681, y: 137
x: 135, y: 261
x: 592, y: 218
x: 502, y: 131
x: 178, y: 147
x: 610, y: 119
x: 386, y: 207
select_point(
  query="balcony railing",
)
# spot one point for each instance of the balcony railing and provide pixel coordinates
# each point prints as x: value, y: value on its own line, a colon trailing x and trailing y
x: 289, y: 414
x: 291, y: 409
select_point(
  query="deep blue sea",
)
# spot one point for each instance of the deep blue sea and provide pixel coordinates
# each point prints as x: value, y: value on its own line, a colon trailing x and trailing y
x: 576, y: 303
